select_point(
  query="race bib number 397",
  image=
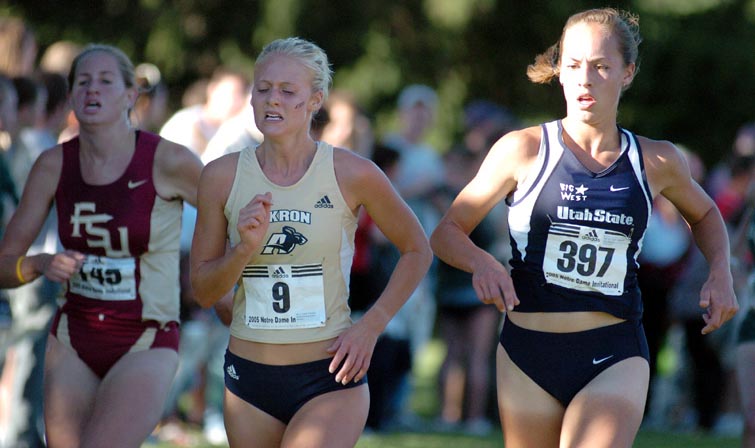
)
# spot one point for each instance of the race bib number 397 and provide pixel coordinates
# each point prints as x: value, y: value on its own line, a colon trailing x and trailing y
x: 586, y: 258
x: 280, y: 297
x: 105, y: 278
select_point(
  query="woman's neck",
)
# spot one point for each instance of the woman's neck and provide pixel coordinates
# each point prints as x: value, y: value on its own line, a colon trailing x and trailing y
x: 103, y: 140
x: 286, y: 163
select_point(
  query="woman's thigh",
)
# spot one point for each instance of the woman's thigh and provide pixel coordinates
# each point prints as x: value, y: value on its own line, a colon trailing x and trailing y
x: 529, y: 415
x: 70, y: 390
x: 245, y: 423
x: 332, y: 420
x: 131, y: 398
x: 608, y: 411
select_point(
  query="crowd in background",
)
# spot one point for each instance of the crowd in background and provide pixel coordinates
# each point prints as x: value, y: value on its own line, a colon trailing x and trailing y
x: 216, y: 118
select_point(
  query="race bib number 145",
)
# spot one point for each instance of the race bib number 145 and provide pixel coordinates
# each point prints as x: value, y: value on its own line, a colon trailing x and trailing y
x: 105, y: 278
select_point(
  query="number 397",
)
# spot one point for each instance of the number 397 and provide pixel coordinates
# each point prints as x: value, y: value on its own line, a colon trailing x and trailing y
x: 584, y: 258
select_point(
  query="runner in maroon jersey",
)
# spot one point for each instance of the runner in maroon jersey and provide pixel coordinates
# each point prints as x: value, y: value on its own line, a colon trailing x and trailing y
x: 119, y: 192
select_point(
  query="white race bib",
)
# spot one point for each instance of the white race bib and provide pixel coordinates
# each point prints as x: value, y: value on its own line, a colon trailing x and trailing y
x: 586, y: 258
x: 105, y: 278
x: 282, y: 297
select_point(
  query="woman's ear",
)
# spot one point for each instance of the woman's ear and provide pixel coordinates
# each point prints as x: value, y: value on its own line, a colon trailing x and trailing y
x: 315, y: 102
x: 629, y: 73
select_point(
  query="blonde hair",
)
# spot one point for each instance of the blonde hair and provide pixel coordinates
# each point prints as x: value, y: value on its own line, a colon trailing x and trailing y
x: 309, y: 54
x: 622, y: 24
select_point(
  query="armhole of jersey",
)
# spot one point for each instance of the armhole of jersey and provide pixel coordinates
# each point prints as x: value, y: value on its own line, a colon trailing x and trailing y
x: 146, y: 144
x: 332, y: 175
x: 638, y: 165
x: 529, y: 184
x: 240, y: 165
x: 68, y: 166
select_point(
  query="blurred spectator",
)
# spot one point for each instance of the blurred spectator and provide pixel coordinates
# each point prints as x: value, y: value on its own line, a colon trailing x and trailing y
x: 151, y: 107
x: 32, y: 98
x: 8, y: 123
x: 484, y: 123
x: 237, y: 133
x: 743, y: 266
x: 57, y: 58
x: 468, y: 327
x: 194, y: 125
x: 349, y: 126
x: 742, y: 148
x: 203, y: 335
x: 374, y: 260
x: 664, y: 255
x: 44, y: 134
x: 8, y: 202
x: 420, y: 171
x: 33, y: 304
x: 18, y: 47
x: 731, y: 196
x: 195, y: 94
x: 703, y: 355
x: 418, y: 175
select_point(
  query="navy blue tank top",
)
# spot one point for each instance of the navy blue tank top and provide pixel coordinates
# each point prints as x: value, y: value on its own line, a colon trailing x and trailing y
x: 576, y: 234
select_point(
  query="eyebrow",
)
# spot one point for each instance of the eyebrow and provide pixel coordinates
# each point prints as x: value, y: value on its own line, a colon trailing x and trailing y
x: 265, y: 81
x: 101, y: 72
x: 595, y: 59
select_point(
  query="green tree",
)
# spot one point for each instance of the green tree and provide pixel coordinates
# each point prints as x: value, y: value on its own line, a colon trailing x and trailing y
x: 695, y: 86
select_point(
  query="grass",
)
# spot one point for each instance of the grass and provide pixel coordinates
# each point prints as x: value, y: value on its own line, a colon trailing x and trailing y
x: 424, y: 403
x: 645, y: 439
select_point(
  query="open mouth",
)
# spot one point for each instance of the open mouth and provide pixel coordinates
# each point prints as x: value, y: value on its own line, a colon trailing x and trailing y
x: 92, y: 105
x: 586, y: 100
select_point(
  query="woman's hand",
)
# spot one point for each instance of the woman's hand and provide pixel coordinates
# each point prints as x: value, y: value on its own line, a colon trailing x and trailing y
x: 352, y: 351
x: 493, y: 284
x: 254, y: 219
x: 61, y: 266
x: 719, y: 301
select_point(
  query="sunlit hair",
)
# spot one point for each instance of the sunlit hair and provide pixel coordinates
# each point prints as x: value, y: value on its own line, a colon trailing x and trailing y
x: 125, y: 66
x: 622, y: 24
x: 308, y: 54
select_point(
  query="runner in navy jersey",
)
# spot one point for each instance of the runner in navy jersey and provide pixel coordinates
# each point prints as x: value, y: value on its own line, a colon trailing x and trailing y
x: 118, y: 192
x: 572, y: 360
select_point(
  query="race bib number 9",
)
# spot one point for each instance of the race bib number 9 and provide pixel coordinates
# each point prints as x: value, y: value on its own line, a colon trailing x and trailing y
x: 586, y: 258
x: 105, y: 278
x: 281, y: 297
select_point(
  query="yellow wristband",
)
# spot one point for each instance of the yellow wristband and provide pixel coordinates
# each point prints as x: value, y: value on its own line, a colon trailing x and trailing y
x: 19, y: 275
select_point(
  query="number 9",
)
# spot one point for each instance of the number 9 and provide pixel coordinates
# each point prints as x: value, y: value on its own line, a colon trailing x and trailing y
x: 281, y: 297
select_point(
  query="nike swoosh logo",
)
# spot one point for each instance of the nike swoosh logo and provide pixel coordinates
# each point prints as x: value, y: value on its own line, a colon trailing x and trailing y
x: 618, y: 188
x: 598, y: 361
x: 132, y: 184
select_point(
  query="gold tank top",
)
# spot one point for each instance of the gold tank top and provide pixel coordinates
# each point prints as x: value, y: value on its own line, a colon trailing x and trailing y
x: 296, y: 288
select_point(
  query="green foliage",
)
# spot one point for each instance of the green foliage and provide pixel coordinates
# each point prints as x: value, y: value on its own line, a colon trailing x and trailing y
x: 694, y: 88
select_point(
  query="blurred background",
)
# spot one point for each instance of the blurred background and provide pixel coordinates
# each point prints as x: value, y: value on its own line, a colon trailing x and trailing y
x: 695, y: 86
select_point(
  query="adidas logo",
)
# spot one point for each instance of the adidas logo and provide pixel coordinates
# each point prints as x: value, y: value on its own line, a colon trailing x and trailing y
x: 591, y: 236
x: 324, y: 202
x: 232, y: 372
x: 279, y: 273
